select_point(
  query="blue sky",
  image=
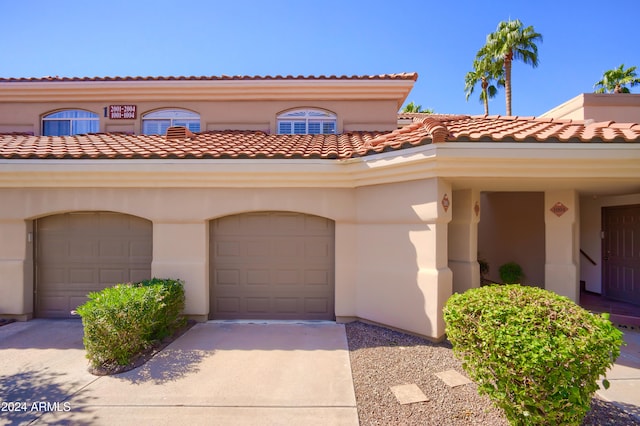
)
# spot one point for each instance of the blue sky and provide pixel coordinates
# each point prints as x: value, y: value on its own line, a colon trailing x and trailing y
x: 437, y: 39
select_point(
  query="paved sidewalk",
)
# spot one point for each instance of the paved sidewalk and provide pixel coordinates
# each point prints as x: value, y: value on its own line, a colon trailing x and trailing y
x: 240, y: 374
x: 624, y: 377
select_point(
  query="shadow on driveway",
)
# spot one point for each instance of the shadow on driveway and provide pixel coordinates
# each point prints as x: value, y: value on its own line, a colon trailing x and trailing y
x: 28, y: 395
x: 169, y: 365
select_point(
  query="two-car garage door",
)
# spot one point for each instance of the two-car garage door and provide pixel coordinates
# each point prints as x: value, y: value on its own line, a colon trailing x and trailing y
x: 263, y: 265
x: 272, y: 265
x: 77, y: 253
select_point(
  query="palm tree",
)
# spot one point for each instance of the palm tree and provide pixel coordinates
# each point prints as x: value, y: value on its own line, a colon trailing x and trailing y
x: 484, y: 72
x: 511, y: 41
x: 616, y: 80
x: 412, y: 107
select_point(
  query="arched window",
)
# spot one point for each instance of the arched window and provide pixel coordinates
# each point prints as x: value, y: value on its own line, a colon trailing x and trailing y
x: 70, y: 122
x: 157, y: 122
x: 306, y: 121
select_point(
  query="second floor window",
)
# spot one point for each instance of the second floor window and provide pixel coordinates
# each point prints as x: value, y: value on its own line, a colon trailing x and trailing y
x: 306, y: 121
x: 70, y: 122
x: 157, y: 122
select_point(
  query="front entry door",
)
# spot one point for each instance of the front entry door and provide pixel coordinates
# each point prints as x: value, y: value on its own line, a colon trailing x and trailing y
x: 621, y: 253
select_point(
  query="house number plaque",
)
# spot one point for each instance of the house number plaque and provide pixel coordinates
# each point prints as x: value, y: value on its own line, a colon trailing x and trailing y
x: 122, y: 112
x: 559, y: 209
x: 445, y: 203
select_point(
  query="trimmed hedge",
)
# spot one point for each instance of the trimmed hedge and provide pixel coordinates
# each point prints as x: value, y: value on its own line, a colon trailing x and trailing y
x: 123, y: 321
x: 537, y: 355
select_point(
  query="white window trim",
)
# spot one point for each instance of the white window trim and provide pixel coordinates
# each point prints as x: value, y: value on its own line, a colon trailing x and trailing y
x: 92, y: 117
x: 174, y: 116
x: 328, y: 121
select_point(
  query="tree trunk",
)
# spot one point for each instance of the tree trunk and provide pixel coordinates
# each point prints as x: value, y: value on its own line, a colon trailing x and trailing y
x: 507, y: 80
x: 485, y: 95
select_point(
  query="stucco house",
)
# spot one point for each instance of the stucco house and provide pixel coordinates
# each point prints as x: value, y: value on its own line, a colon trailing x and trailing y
x: 300, y: 197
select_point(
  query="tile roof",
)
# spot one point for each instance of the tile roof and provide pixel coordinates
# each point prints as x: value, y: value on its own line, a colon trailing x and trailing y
x: 398, y: 76
x: 424, y: 129
x: 530, y: 129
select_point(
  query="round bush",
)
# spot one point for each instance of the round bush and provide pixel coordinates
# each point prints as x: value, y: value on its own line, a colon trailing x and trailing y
x: 537, y: 355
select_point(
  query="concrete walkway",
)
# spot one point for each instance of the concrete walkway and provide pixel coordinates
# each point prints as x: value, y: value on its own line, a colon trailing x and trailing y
x: 624, y: 377
x: 216, y: 373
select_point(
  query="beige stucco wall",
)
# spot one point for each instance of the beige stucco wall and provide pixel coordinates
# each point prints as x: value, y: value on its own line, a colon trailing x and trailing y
x: 390, y: 242
x: 403, y: 277
x: 622, y: 108
x: 221, y: 115
x: 512, y: 229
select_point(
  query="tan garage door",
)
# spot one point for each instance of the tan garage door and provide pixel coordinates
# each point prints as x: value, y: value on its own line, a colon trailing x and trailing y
x: 272, y: 265
x: 77, y: 253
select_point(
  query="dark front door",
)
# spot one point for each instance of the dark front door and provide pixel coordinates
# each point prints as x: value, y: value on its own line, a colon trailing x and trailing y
x: 621, y: 253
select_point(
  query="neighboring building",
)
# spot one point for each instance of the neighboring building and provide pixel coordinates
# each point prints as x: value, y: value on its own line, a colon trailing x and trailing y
x: 619, y: 107
x: 298, y: 197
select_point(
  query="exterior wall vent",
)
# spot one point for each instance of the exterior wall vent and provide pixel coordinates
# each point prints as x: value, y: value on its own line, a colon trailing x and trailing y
x: 178, y: 132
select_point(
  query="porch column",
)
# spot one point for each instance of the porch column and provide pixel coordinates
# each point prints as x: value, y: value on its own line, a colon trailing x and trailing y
x: 562, y: 243
x: 180, y: 251
x: 403, y: 275
x: 463, y: 240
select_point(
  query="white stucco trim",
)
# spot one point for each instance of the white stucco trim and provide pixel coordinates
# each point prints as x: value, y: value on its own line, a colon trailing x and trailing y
x: 526, y: 166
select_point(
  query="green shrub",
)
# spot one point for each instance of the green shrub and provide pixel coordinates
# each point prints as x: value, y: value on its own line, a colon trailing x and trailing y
x: 511, y: 273
x: 123, y: 321
x: 537, y: 355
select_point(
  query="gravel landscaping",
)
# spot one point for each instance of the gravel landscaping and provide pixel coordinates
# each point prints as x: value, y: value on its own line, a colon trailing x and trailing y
x: 383, y: 358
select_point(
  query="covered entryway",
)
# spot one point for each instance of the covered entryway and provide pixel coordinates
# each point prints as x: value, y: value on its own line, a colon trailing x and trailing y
x: 272, y: 265
x: 621, y: 253
x: 81, y: 252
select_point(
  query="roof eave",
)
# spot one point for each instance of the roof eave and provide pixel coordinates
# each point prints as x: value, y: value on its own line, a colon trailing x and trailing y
x: 209, y: 90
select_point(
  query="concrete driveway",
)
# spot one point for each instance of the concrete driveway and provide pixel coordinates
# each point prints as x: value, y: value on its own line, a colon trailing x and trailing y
x: 216, y: 373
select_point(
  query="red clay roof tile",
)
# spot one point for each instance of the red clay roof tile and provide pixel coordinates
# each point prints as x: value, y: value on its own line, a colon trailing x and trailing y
x: 398, y: 76
x: 425, y: 129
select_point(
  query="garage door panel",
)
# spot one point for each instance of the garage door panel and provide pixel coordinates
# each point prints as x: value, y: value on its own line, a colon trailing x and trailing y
x: 54, y: 306
x: 114, y: 276
x: 225, y: 277
x: 227, y: 305
x: 141, y: 274
x: 286, y: 305
x: 316, y: 277
x: 257, y: 305
x: 78, y: 253
x: 316, y: 305
x: 272, y: 265
x: 80, y: 249
x: 53, y: 249
x: 256, y: 248
x: 227, y: 225
x: 74, y: 301
x: 55, y: 275
x: 85, y: 221
x: 140, y: 251
x: 80, y: 275
x: 287, y: 277
x: 113, y: 248
x: 317, y: 224
x: 227, y: 248
x: 317, y: 248
x: 258, y: 277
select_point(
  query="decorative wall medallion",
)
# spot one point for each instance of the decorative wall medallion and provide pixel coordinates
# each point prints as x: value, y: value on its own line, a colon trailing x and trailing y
x: 476, y: 208
x: 559, y: 209
x: 445, y: 203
